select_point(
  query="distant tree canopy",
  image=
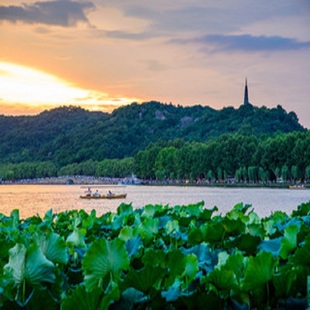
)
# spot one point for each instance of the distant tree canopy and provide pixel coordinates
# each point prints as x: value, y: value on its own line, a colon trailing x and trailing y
x: 70, y: 135
x: 243, y: 157
x: 249, y: 143
x: 248, y: 158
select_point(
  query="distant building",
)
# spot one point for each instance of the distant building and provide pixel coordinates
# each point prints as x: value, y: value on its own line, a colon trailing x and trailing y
x: 246, y: 93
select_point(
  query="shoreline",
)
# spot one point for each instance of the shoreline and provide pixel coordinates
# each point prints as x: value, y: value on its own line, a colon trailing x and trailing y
x: 91, y: 180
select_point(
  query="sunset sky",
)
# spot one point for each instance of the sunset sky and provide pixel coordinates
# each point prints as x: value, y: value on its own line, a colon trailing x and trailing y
x: 102, y: 54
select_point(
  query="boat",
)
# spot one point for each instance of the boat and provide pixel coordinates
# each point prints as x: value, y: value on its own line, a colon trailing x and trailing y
x: 300, y: 186
x: 112, y: 196
x: 96, y: 195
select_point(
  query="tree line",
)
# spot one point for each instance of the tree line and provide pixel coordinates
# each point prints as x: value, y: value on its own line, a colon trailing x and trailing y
x: 245, y: 158
x: 70, y: 135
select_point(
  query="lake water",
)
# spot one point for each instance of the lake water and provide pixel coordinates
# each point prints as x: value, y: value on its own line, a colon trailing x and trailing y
x: 37, y: 199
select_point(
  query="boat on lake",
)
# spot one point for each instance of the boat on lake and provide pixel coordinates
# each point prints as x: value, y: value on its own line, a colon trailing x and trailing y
x: 97, y: 195
x: 111, y: 196
x: 297, y: 186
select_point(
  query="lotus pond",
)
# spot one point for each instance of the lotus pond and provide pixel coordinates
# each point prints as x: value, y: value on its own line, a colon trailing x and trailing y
x: 156, y: 257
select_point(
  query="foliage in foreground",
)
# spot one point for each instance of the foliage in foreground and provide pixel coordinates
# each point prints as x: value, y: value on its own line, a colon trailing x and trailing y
x: 156, y: 257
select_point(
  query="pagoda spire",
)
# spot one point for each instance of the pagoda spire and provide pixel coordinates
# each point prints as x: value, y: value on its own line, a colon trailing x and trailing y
x: 246, y: 93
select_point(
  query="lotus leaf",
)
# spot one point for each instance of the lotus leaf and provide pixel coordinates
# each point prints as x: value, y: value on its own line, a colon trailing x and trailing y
x: 126, y: 233
x: 83, y: 300
x: 54, y: 248
x: 222, y: 279
x: 258, y: 271
x: 77, y: 238
x: 133, y: 245
x: 148, y: 228
x: 104, y: 260
x: 145, y: 279
x: 273, y: 246
x: 29, y: 264
x: 289, y: 242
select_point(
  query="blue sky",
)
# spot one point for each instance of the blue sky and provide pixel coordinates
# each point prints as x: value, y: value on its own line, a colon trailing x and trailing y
x: 110, y: 53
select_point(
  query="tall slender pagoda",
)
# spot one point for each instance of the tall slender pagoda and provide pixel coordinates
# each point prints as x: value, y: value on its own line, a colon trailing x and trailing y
x: 246, y: 93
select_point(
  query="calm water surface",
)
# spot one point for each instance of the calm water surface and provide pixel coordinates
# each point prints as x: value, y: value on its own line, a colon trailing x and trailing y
x: 37, y: 199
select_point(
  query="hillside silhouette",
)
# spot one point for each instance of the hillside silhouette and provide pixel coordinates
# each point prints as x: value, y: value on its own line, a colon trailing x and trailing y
x: 70, y: 134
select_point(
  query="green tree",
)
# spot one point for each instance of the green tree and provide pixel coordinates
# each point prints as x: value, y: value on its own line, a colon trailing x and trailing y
x: 307, y: 174
x: 253, y: 173
x: 165, y: 160
x: 210, y: 175
x: 294, y: 172
x: 285, y: 173
x: 262, y: 174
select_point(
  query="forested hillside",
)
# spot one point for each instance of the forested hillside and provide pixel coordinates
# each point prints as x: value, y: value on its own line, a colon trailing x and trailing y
x: 72, y: 135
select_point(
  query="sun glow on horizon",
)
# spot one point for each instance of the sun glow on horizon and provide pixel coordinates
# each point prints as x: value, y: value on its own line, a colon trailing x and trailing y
x: 26, y: 87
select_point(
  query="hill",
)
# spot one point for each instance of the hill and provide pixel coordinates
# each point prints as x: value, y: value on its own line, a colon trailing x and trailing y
x: 69, y: 134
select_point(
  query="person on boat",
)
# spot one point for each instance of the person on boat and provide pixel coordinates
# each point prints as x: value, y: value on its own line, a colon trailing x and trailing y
x: 110, y: 194
x: 88, y: 192
x: 97, y: 194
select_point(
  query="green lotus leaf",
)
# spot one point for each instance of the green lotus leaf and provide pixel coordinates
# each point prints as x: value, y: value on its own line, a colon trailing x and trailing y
x: 283, y: 282
x: 174, y: 292
x: 206, y: 214
x: 246, y: 243
x: 41, y: 296
x: 273, y: 246
x: 133, y: 245
x: 29, y: 264
x: 172, y: 226
x: 269, y: 226
x: 54, y: 248
x: 254, y: 218
x: 302, y: 210
x: 212, y: 231
x: 235, y: 262
x: 195, y: 236
x: 302, y: 254
x: 181, y: 266
x: 38, y: 268
x: 222, y: 259
x: 124, y: 209
x: 15, y: 218
x: 289, y: 242
x: 144, y: 279
x: 175, y: 264
x: 83, y: 300
x: 129, y: 298
x: 154, y: 258
x: 240, y: 207
x: 203, y: 253
x: 77, y: 238
x: 148, y: 211
x: 259, y: 270
x: 15, y: 268
x: 163, y: 220
x: 256, y: 230
x: 148, y: 228
x: 279, y: 217
x: 222, y: 279
x: 238, y: 212
x: 48, y: 217
x: 104, y: 260
x: 195, y: 209
x: 291, y: 222
x: 191, y: 268
x: 233, y: 227
x: 126, y: 233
